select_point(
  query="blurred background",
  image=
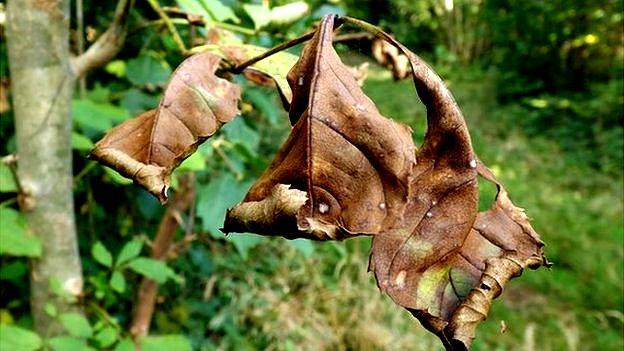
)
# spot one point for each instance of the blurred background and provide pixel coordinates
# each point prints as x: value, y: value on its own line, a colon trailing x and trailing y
x: 540, y: 84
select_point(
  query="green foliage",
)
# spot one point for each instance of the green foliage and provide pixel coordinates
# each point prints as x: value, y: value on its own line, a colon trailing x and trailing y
x: 129, y: 251
x: 101, y: 254
x: 18, y: 339
x: 153, y: 269
x: 92, y: 116
x: 68, y: 343
x: 148, y: 70
x: 7, y: 182
x: 165, y: 342
x: 76, y: 325
x: 16, y: 241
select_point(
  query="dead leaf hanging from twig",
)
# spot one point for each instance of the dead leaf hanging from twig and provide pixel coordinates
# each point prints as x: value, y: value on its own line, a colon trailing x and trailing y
x: 350, y: 163
x: 346, y: 170
x: 195, y: 103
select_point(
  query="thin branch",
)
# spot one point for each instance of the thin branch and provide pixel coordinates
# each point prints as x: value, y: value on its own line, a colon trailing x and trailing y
x: 177, y: 39
x: 107, y: 45
x: 274, y: 50
x: 194, y: 19
x: 181, y: 202
x: 24, y: 199
x: 353, y: 36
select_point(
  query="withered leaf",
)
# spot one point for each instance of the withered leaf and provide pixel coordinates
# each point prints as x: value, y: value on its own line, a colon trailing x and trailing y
x: 346, y: 170
x: 195, y: 103
x: 351, y: 163
x: 389, y: 56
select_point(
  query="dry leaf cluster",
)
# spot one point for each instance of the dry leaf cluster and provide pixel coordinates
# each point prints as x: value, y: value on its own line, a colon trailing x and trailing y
x: 346, y: 170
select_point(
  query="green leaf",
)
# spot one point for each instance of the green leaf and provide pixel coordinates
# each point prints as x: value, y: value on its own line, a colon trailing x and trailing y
x: 305, y: 246
x: 218, y: 11
x: 116, y: 68
x: 14, y: 237
x: 215, y: 198
x: 195, y: 162
x: 101, y: 254
x: 106, y: 336
x: 7, y: 182
x: 326, y: 9
x: 135, y: 101
x: 76, y: 324
x: 286, y: 14
x: 97, y: 116
x: 238, y: 131
x: 263, y: 102
x: 146, y: 69
x: 125, y: 345
x: 81, y: 142
x: 99, y: 94
x: 68, y: 343
x: 165, y: 342
x: 15, y: 270
x: 50, y: 309
x: 260, y: 15
x: 129, y: 251
x: 153, y: 269
x: 194, y: 6
x: 18, y: 339
x: 118, y: 282
x: 245, y: 242
x: 114, y: 176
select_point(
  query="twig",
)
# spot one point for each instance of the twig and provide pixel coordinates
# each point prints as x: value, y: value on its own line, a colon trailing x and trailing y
x: 148, y: 289
x: 11, y: 162
x: 8, y: 202
x: 181, y: 246
x: 274, y: 50
x: 24, y: 199
x: 352, y: 36
x: 218, y: 148
x: 84, y: 171
x: 177, y: 39
x: 107, y: 45
x: 283, y: 46
x: 155, y: 23
x: 194, y: 19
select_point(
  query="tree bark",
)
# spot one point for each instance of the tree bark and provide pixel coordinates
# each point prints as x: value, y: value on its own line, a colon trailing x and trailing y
x: 42, y: 85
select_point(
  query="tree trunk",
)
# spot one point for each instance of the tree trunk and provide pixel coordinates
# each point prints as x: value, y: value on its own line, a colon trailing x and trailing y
x: 42, y: 85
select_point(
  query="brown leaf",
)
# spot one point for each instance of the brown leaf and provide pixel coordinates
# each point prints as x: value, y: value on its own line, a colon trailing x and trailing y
x: 346, y: 170
x: 389, y: 56
x: 442, y: 263
x: 195, y: 103
x: 453, y: 294
x: 351, y: 163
